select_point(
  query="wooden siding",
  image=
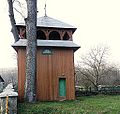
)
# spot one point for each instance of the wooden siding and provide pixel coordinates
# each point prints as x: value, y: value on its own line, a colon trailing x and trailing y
x: 49, y: 69
x: 21, y: 73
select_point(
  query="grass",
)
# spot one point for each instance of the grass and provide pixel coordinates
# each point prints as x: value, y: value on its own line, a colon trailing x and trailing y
x: 100, y: 104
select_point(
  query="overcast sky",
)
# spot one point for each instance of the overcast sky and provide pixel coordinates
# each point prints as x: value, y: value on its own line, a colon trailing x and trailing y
x: 97, y: 22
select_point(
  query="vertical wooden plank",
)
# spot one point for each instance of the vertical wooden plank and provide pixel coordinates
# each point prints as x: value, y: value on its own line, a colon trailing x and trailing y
x: 21, y: 74
x: 44, y: 76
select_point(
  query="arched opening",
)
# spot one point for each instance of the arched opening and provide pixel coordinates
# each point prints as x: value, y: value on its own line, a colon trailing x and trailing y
x: 41, y: 35
x: 54, y: 35
x: 66, y: 36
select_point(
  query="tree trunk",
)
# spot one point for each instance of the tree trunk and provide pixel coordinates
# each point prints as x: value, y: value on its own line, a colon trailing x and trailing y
x: 12, y: 20
x: 31, y: 21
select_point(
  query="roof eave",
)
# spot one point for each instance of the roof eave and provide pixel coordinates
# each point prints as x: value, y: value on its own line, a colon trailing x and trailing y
x: 73, y: 48
x: 73, y: 29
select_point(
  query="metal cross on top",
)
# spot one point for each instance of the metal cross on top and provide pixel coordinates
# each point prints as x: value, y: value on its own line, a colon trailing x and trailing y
x: 45, y: 10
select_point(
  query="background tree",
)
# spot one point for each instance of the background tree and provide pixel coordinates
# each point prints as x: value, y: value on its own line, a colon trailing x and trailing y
x: 93, y: 66
x: 30, y: 21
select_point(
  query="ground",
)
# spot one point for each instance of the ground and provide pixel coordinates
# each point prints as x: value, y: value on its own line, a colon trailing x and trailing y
x: 100, y: 104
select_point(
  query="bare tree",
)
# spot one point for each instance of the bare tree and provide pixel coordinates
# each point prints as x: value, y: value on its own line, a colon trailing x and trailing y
x: 94, y: 66
x: 31, y: 21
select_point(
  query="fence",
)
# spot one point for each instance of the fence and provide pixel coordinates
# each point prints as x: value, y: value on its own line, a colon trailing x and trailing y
x: 111, y: 90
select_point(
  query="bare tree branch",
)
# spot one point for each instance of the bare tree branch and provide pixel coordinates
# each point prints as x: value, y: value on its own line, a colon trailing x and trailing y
x: 20, y: 8
x: 12, y: 20
x: 13, y: 1
x: 20, y: 13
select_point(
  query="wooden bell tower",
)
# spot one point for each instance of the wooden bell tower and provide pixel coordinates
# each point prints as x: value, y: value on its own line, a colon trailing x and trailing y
x: 55, y: 78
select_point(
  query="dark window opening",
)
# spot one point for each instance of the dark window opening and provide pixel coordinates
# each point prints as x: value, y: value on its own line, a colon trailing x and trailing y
x: 66, y: 36
x: 54, y: 36
x: 41, y: 35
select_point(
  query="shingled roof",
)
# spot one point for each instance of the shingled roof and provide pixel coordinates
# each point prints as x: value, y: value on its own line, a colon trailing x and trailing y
x: 46, y: 21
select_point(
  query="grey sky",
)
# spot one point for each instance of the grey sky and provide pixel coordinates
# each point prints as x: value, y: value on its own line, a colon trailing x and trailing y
x: 97, y: 22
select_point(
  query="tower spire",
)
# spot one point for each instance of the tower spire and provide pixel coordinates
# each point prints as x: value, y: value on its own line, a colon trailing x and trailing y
x: 45, y: 10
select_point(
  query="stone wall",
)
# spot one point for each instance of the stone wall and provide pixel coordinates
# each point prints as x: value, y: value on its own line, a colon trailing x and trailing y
x: 8, y: 100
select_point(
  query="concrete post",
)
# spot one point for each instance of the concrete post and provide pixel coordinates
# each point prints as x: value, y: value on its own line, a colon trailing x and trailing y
x: 8, y: 100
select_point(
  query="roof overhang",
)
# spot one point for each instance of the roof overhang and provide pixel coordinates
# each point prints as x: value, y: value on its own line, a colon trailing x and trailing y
x: 48, y: 43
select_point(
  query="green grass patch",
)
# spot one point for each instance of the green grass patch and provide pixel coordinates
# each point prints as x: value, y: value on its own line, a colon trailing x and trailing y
x: 100, y: 104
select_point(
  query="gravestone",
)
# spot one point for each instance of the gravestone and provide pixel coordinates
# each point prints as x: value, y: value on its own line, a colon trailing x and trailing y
x: 8, y: 100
